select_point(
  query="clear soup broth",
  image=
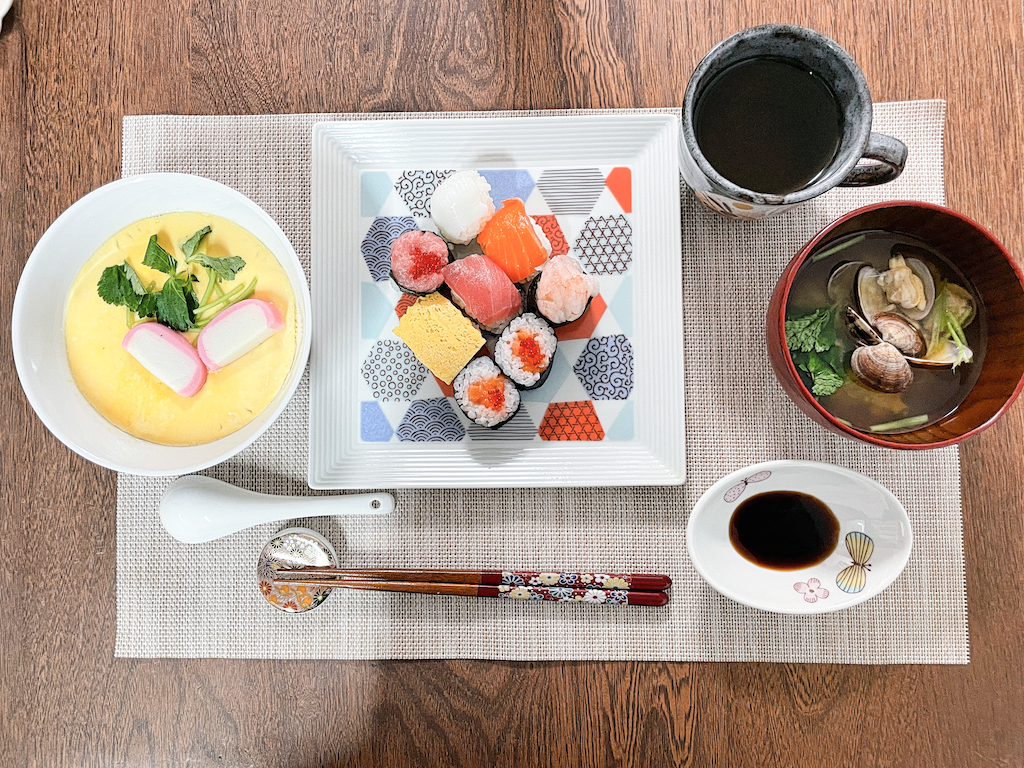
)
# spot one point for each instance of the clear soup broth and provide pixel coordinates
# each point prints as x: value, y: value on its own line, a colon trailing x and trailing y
x: 902, y: 294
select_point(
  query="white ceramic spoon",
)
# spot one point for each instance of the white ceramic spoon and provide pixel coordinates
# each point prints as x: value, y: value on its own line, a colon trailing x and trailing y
x: 196, y: 508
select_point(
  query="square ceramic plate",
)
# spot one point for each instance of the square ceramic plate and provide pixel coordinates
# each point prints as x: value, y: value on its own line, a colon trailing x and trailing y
x: 604, y: 188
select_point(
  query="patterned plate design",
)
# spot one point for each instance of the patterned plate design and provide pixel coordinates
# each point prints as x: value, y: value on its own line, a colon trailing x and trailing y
x: 378, y: 418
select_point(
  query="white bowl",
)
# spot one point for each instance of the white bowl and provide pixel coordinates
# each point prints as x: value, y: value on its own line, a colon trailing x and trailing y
x: 861, y: 506
x: 38, y: 319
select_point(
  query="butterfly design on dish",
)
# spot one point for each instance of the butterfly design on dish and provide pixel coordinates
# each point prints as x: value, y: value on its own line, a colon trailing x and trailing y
x: 737, y: 490
x: 853, y: 578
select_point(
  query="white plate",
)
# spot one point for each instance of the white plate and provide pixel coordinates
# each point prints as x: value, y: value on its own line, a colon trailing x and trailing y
x: 865, y: 510
x: 354, y: 165
x: 37, y: 324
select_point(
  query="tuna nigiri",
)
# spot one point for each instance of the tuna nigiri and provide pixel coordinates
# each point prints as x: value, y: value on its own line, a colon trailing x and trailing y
x: 484, y: 291
x: 514, y: 241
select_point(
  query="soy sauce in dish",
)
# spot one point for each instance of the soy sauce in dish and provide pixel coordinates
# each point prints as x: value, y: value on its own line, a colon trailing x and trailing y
x: 784, y: 530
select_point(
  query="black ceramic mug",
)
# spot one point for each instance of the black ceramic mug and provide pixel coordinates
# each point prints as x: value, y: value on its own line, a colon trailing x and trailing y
x: 815, y: 62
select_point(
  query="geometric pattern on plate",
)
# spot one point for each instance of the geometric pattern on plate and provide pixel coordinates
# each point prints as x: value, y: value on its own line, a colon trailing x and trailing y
x: 605, y: 245
x: 606, y: 367
x: 549, y: 224
x: 571, y: 421
x: 376, y: 246
x: 621, y: 305
x: 572, y: 190
x: 374, y: 426
x: 393, y: 372
x: 403, y: 304
x: 506, y: 184
x: 374, y: 188
x: 519, y: 427
x: 620, y: 184
x: 431, y: 421
x: 416, y: 187
x: 622, y: 427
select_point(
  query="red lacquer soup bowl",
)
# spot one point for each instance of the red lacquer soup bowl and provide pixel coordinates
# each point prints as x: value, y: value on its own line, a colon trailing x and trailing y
x: 989, y: 267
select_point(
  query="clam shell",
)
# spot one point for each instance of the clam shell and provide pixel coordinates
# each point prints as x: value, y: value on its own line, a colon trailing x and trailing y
x: 901, y: 333
x: 882, y: 367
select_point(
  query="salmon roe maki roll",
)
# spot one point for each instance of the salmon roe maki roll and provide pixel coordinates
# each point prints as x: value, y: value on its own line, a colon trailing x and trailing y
x: 486, y: 395
x: 513, y: 241
x: 417, y: 259
x: 525, y: 350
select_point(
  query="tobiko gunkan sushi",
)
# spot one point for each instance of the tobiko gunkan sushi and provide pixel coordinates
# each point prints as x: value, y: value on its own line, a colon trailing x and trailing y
x: 461, y: 205
x: 483, y: 290
x: 486, y: 395
x: 416, y: 261
x: 563, y: 291
x: 514, y: 241
x: 525, y: 349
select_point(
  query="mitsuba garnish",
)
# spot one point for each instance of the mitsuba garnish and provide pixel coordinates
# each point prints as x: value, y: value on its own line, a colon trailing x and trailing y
x: 175, y: 304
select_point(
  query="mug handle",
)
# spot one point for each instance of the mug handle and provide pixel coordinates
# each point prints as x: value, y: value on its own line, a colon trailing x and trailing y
x: 889, y: 154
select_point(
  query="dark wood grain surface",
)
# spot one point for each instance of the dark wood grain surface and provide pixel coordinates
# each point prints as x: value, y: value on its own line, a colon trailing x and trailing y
x: 70, y: 70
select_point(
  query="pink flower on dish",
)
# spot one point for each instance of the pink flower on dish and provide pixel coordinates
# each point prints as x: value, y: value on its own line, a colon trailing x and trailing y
x: 812, y: 590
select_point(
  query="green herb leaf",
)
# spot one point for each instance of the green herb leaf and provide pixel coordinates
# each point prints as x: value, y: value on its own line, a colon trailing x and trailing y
x: 159, y: 259
x: 147, y: 307
x: 189, y: 246
x: 815, y: 332
x: 225, y: 267
x: 120, y: 286
x: 825, y: 379
x: 172, y: 307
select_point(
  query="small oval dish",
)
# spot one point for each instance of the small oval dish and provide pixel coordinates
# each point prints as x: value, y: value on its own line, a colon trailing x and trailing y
x: 872, y: 548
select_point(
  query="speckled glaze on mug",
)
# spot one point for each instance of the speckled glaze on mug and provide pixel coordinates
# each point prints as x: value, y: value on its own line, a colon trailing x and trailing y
x: 837, y: 68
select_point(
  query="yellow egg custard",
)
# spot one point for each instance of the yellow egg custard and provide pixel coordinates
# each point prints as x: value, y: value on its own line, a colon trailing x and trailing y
x: 132, y: 398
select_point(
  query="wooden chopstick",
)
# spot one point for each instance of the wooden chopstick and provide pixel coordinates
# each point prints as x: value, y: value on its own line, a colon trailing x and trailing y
x: 652, y: 582
x: 559, y: 594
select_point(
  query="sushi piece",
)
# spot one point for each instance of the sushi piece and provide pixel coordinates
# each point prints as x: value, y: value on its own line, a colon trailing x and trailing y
x: 514, y: 241
x: 237, y: 330
x: 525, y: 350
x: 416, y: 261
x: 440, y: 336
x: 486, y: 395
x: 563, y: 291
x: 461, y: 205
x: 483, y: 290
x: 166, y: 354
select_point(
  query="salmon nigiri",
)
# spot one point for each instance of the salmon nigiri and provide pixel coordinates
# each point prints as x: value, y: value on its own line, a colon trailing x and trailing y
x: 514, y: 242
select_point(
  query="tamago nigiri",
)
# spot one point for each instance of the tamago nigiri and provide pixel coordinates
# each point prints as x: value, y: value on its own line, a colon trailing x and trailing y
x: 513, y: 241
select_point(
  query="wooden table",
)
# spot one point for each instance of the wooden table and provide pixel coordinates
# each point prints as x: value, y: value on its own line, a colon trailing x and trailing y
x: 70, y: 71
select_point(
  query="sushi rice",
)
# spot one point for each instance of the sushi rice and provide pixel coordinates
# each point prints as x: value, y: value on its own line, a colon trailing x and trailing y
x: 485, y: 394
x: 517, y: 369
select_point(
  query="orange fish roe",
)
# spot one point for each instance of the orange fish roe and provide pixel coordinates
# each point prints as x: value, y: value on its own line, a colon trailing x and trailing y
x: 526, y: 347
x: 489, y: 393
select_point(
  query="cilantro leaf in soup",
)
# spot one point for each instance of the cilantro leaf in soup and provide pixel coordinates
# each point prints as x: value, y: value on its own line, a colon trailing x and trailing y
x: 824, y: 377
x: 189, y: 246
x: 159, y: 259
x: 120, y: 286
x: 811, y: 333
x: 147, y: 307
x: 225, y: 267
x: 172, y: 307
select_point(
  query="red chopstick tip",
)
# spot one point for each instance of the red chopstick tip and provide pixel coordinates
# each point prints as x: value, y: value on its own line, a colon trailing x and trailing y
x: 647, y: 598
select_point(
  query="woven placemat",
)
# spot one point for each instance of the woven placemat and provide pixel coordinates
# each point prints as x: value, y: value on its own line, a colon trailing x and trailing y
x: 201, y: 600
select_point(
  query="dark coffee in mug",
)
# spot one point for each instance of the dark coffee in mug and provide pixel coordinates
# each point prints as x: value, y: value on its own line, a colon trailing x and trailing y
x: 769, y: 125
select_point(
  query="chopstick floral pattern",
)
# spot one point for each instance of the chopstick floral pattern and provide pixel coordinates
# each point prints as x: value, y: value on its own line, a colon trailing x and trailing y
x: 565, y: 594
x: 602, y: 581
